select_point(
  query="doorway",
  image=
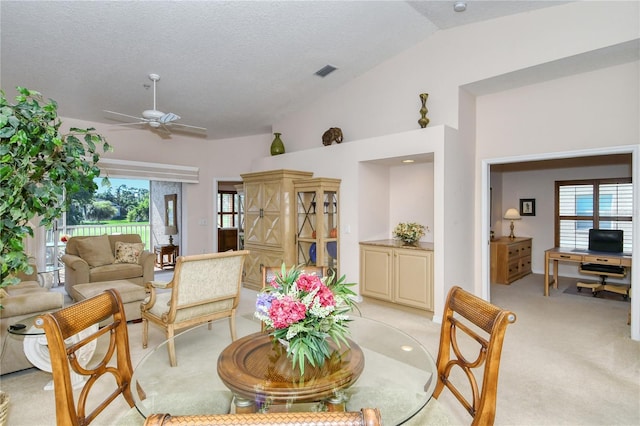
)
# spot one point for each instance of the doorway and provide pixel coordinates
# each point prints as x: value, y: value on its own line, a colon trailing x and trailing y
x: 229, y: 203
x: 493, y: 205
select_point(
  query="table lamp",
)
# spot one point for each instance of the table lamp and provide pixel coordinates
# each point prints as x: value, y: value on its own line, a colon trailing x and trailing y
x: 170, y: 231
x: 512, y: 214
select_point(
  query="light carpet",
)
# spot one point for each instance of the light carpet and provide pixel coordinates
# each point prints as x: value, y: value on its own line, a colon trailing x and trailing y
x: 566, y: 361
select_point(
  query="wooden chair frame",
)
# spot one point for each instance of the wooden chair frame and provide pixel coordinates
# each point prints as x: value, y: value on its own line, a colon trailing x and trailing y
x: 365, y: 417
x: 463, y: 308
x: 67, y: 322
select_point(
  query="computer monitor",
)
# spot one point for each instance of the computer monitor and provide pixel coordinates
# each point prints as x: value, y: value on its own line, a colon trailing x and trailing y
x: 606, y: 240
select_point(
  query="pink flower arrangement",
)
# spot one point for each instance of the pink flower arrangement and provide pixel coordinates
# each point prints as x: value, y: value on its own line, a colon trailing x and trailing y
x: 305, y: 310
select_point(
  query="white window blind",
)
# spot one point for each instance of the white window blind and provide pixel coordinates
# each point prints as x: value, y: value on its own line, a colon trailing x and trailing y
x: 601, y: 204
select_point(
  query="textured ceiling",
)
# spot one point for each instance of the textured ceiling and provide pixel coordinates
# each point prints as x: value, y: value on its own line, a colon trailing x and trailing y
x: 232, y: 67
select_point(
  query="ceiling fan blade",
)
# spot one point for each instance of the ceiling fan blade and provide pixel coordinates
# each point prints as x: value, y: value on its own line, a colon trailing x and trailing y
x: 168, y: 117
x: 203, y: 129
x: 162, y: 131
x: 131, y: 124
x: 124, y: 115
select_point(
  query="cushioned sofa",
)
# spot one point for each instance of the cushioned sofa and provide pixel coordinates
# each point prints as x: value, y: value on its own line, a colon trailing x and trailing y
x: 21, y: 301
x: 105, y: 258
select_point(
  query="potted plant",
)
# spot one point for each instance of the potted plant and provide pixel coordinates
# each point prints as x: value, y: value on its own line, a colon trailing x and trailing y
x: 40, y: 169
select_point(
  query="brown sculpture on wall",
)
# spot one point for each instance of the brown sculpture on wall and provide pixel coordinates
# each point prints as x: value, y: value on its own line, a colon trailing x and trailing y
x: 332, y: 135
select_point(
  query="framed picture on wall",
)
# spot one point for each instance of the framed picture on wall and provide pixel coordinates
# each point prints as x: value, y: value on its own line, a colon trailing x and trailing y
x: 527, y: 206
x: 170, y: 210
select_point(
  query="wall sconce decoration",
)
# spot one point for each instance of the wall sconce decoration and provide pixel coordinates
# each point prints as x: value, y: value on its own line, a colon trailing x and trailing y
x: 512, y: 214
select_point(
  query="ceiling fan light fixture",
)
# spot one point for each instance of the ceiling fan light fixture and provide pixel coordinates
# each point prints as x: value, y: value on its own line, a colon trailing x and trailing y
x: 460, y: 6
x: 152, y: 114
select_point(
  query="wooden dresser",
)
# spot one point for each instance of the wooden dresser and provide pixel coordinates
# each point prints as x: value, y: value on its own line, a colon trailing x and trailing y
x: 510, y: 259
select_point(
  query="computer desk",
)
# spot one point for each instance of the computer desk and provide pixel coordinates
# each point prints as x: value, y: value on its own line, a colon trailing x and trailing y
x: 566, y: 254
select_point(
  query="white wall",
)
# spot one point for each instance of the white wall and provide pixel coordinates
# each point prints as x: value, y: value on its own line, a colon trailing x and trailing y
x: 385, y: 99
x: 588, y: 110
x: 411, y: 199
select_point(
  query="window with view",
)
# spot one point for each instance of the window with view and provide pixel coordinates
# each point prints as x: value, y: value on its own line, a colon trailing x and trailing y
x: 595, y: 203
x: 227, y: 209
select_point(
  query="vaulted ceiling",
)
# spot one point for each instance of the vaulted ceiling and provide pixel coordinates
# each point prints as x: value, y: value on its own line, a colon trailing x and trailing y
x: 232, y: 67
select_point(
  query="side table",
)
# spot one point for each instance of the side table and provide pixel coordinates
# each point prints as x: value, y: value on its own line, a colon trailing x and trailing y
x: 37, y: 351
x: 170, y: 251
x: 50, y: 277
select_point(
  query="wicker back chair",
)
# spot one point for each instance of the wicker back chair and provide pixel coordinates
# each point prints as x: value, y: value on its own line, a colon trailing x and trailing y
x: 467, y: 315
x: 365, y: 417
x: 205, y: 287
x: 79, y: 324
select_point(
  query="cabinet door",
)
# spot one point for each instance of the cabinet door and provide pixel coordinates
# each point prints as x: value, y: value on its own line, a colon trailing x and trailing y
x: 375, y: 272
x: 413, y: 271
x: 253, y: 265
x: 252, y: 208
x: 263, y: 213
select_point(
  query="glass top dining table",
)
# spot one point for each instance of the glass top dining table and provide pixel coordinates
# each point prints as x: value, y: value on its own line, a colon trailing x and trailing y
x: 395, y: 374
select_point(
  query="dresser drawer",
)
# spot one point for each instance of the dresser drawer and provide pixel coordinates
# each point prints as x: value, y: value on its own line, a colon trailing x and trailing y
x: 524, y: 265
x: 602, y: 260
x: 513, y: 269
x: 565, y: 256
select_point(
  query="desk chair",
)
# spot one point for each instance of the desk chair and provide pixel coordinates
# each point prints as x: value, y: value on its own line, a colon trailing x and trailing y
x: 604, y: 271
x: 470, y: 324
x: 68, y: 322
x: 365, y: 417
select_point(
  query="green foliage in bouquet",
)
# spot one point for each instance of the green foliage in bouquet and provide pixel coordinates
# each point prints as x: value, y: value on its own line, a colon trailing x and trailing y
x: 305, y: 311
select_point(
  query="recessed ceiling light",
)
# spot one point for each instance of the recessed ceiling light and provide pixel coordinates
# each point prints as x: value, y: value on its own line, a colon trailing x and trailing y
x: 408, y: 161
x: 460, y: 6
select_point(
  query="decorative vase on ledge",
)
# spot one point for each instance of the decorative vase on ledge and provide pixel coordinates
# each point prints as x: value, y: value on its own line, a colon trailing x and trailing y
x: 423, y: 121
x: 277, y: 147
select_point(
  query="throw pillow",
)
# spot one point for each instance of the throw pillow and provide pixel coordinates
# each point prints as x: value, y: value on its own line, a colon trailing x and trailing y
x: 128, y: 252
x: 96, y: 251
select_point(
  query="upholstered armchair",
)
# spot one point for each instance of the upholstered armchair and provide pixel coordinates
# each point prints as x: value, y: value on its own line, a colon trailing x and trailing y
x: 204, y: 288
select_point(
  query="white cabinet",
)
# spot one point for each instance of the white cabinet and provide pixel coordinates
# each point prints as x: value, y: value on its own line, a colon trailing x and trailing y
x: 398, y: 274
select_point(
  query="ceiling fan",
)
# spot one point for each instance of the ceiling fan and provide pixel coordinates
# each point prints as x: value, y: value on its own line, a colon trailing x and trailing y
x: 157, y: 120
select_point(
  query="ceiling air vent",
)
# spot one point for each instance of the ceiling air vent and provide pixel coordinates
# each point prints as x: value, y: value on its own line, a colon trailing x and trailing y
x: 326, y: 70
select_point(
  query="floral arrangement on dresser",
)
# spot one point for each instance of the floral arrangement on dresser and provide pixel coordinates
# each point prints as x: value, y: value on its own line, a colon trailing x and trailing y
x: 409, y: 232
x: 303, y: 312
